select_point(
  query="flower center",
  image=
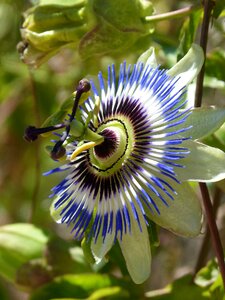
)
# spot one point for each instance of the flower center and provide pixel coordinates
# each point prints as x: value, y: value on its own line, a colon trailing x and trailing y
x: 109, y: 156
x: 110, y: 144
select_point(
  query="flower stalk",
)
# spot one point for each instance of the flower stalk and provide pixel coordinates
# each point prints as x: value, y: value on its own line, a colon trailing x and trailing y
x: 217, y: 245
x: 179, y: 13
x: 205, y: 247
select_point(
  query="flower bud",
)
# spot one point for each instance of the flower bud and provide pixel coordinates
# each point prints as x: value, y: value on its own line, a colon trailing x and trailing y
x: 95, y: 27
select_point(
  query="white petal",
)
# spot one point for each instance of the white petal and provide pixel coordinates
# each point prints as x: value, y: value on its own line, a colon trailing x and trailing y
x: 189, y: 66
x: 149, y: 58
x: 203, y: 122
x: 135, y: 247
x: 183, y: 216
x: 204, y: 163
x: 101, y: 248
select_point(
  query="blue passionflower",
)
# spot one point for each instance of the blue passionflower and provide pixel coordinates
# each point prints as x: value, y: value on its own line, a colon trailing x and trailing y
x: 137, y: 169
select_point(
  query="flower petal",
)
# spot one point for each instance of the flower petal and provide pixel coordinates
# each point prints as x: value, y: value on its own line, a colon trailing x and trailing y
x: 204, y: 163
x: 183, y: 215
x: 149, y: 58
x: 189, y: 66
x: 102, y: 246
x: 204, y: 121
x: 136, y: 250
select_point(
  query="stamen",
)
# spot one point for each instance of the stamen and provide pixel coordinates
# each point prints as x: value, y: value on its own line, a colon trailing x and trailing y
x: 31, y: 132
x: 56, y: 155
x: 83, y: 87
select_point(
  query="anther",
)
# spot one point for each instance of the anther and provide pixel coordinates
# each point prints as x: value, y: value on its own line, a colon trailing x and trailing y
x: 58, y: 152
x: 31, y: 132
x: 84, y: 86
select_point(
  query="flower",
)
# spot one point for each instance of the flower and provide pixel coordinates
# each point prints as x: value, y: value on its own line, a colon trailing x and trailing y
x: 135, y: 167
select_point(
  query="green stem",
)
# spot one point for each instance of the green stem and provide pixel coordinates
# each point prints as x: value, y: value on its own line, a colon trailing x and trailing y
x: 216, y: 241
x: 174, y: 14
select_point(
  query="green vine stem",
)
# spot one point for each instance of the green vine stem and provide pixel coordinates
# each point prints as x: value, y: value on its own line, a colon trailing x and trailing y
x: 174, y: 14
x: 216, y: 242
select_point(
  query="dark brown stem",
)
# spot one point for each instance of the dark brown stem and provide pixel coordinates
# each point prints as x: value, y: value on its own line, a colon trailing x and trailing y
x: 208, y: 7
x: 204, y: 250
x: 216, y: 242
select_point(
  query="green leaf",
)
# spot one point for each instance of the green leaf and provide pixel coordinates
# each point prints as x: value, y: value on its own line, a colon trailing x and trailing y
x: 213, y: 141
x: 58, y: 2
x: 207, y: 275
x: 188, y: 32
x: 220, y: 134
x: 215, y: 64
x: 108, y: 293
x: 213, y: 83
x: 204, y: 121
x: 3, y: 292
x: 218, y: 9
x: 153, y: 234
x: 64, y: 299
x: 182, y: 288
x: 210, y: 277
x: 115, y: 292
x: 74, y: 286
x: 65, y: 258
x: 19, y: 243
x: 217, y: 289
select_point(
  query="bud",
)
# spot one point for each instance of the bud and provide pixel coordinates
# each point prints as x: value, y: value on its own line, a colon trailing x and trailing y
x: 49, y: 27
x: 95, y: 27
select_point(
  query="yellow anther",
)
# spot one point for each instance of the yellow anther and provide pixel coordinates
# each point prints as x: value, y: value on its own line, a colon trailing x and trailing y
x: 84, y: 147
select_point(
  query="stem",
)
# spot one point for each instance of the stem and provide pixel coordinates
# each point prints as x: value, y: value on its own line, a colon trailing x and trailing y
x: 174, y: 14
x: 208, y: 7
x: 203, y: 253
x: 216, y: 242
